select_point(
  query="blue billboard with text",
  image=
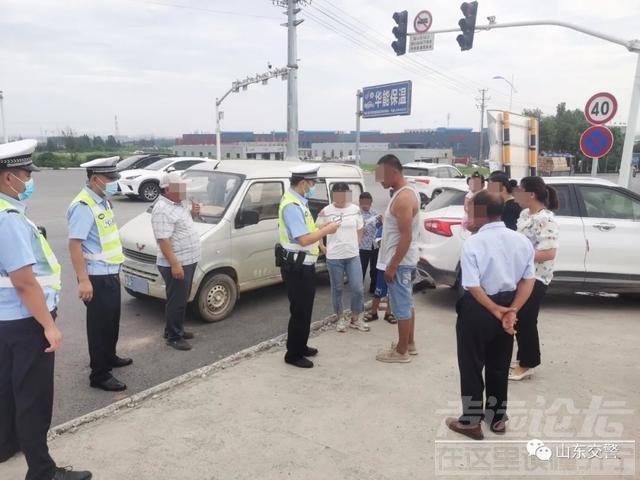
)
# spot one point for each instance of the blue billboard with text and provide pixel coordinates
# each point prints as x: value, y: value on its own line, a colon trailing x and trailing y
x: 386, y: 100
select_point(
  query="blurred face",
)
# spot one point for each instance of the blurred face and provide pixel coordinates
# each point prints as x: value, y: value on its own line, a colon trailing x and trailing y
x: 340, y: 199
x: 177, y: 191
x: 495, y: 187
x: 475, y: 184
x: 477, y: 217
x: 386, y: 175
x: 365, y: 204
x: 523, y: 198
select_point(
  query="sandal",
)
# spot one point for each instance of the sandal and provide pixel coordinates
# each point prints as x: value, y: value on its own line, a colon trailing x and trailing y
x: 370, y: 317
x: 390, y: 317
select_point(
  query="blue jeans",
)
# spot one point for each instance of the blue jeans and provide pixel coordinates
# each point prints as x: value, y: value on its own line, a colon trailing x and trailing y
x: 353, y: 269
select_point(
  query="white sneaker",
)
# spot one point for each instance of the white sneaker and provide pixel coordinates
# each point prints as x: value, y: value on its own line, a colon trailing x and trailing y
x: 359, y: 324
x: 341, y: 326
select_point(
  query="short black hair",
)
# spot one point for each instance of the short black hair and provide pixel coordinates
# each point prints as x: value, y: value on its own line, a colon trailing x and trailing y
x: 492, y: 202
x: 392, y: 161
x: 366, y: 196
x: 476, y: 174
x: 340, y: 187
x: 501, y: 177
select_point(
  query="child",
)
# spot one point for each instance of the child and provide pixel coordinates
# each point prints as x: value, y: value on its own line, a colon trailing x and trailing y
x: 380, y: 291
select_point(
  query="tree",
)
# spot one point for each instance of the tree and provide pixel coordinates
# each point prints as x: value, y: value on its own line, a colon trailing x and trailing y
x: 83, y: 143
x: 51, y: 145
x: 111, y: 143
x: 98, y: 143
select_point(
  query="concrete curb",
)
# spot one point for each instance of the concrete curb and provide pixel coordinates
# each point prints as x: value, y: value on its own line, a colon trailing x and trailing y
x: 136, y: 399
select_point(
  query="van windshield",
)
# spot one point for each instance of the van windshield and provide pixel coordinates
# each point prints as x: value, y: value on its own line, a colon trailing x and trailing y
x: 214, y: 191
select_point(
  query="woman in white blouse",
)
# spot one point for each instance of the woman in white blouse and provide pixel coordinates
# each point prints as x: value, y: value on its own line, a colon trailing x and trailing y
x: 537, y: 223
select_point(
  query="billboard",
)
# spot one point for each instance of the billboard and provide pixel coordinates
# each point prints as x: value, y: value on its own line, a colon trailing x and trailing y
x: 386, y: 100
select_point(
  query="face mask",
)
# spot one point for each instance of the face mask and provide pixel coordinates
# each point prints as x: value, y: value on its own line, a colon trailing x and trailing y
x: 29, y: 187
x: 110, y: 188
x: 310, y: 193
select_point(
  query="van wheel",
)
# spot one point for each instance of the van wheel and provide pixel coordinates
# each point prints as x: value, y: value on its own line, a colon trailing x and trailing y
x: 216, y: 298
x: 149, y: 191
x: 135, y: 294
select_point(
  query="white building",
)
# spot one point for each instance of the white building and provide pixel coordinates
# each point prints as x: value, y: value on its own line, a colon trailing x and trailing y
x: 408, y: 155
x: 252, y: 150
x: 342, y: 150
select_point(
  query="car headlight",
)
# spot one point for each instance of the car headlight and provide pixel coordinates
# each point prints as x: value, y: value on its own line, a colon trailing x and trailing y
x: 131, y: 178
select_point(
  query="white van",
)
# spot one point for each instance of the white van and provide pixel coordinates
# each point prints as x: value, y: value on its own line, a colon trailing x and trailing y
x: 238, y: 228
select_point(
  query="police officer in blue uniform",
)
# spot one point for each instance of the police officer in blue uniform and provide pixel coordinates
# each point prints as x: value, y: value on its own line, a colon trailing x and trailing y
x: 96, y: 254
x: 29, y: 292
x: 299, y: 241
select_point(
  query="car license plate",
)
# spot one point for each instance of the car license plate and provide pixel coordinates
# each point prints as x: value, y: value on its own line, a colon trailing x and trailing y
x: 136, y: 284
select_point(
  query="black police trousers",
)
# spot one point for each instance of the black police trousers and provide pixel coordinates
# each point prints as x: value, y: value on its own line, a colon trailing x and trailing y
x: 26, y: 395
x: 483, y: 344
x: 301, y: 290
x: 103, y: 324
x: 528, y: 354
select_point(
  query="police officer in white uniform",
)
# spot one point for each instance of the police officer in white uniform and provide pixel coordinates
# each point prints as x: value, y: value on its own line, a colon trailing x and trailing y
x: 96, y: 254
x: 29, y: 292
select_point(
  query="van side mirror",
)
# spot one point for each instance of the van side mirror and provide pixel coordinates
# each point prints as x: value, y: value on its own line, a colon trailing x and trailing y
x: 246, y: 218
x: 170, y: 169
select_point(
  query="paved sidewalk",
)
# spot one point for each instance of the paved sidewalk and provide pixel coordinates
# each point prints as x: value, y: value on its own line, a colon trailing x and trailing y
x: 351, y: 417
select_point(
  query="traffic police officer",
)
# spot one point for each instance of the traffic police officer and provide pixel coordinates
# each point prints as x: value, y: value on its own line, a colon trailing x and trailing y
x: 96, y: 254
x: 29, y: 292
x: 297, y: 257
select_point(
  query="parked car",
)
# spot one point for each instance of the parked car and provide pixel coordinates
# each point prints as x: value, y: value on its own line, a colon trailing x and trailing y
x: 144, y: 183
x: 430, y: 179
x: 140, y: 161
x: 238, y: 227
x: 599, y: 224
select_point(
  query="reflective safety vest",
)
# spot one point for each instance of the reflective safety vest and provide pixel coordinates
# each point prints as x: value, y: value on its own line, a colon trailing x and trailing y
x: 107, y: 231
x: 53, y: 279
x: 287, y: 199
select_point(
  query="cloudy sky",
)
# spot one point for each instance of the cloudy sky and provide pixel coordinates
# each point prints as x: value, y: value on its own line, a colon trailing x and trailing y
x: 159, y: 64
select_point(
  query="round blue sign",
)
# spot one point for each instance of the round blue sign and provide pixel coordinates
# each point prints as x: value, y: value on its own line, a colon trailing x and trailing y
x: 596, y: 141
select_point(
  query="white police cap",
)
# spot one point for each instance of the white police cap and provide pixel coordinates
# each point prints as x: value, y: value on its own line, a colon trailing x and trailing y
x: 18, y: 155
x: 169, y: 178
x: 307, y: 171
x: 103, y: 166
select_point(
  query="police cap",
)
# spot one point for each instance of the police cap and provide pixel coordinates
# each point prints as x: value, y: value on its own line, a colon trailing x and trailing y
x: 18, y: 155
x: 103, y: 166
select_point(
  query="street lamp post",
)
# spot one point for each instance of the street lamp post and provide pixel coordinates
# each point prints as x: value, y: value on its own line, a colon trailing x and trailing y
x: 4, y: 126
x: 512, y: 88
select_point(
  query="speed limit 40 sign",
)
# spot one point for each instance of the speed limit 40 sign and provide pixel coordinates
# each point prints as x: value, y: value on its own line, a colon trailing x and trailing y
x: 600, y: 108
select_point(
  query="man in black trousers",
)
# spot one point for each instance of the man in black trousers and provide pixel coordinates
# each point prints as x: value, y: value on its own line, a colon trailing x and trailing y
x: 497, y: 276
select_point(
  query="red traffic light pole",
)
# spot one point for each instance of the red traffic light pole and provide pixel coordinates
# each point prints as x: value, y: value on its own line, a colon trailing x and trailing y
x: 624, y: 178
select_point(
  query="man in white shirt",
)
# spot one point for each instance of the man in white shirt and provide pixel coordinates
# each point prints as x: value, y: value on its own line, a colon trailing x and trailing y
x: 178, y: 255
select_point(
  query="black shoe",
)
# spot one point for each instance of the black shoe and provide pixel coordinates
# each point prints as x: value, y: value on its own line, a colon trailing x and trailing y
x: 111, y: 384
x: 121, y: 362
x: 186, y: 335
x: 310, y: 352
x: 180, y: 344
x: 300, y: 362
x: 67, y: 474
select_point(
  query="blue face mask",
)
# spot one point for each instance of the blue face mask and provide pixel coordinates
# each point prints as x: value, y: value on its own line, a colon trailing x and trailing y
x: 310, y: 193
x: 29, y: 187
x: 110, y: 189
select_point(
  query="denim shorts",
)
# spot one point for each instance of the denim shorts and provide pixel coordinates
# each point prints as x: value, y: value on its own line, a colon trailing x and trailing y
x: 381, y: 285
x: 401, y: 292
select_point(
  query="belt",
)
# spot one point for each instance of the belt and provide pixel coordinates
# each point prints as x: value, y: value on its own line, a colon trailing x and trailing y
x: 308, y: 259
x: 43, y: 280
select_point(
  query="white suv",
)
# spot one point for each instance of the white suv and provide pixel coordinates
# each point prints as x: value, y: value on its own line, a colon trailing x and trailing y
x: 144, y: 183
x: 430, y: 179
x: 599, y: 225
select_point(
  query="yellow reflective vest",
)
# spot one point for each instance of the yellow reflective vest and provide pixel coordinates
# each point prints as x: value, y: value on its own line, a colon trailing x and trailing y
x: 287, y: 199
x: 107, y: 231
x: 53, y: 279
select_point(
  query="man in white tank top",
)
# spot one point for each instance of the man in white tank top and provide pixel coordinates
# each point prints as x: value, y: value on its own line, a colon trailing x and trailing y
x: 398, y: 255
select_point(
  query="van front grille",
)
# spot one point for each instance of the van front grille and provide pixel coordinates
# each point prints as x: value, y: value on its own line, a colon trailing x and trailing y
x: 139, y: 256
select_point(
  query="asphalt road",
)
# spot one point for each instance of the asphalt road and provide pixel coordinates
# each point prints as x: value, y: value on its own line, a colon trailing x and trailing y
x: 258, y: 316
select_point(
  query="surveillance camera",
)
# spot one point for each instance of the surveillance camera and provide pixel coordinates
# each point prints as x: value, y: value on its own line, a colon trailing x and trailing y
x: 269, y: 65
x: 492, y: 19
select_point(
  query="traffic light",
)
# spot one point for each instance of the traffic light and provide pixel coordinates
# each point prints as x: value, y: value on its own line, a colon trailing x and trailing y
x: 399, y: 45
x: 467, y: 25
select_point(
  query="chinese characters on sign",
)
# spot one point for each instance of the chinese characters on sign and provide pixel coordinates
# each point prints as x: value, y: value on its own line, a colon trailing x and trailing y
x: 386, y: 100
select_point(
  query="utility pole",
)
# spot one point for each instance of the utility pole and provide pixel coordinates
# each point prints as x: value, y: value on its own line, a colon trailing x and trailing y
x: 358, y: 115
x: 483, y: 99
x: 4, y: 126
x: 292, y: 80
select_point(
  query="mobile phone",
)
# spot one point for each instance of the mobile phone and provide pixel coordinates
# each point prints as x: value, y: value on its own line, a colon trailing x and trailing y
x: 337, y: 219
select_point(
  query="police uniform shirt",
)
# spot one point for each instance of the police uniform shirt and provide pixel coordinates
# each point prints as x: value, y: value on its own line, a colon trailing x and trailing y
x: 496, y: 259
x: 25, y: 250
x: 82, y: 226
x: 294, y: 218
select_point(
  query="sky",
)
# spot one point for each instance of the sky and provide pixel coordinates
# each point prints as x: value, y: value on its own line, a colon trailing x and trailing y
x: 159, y: 64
